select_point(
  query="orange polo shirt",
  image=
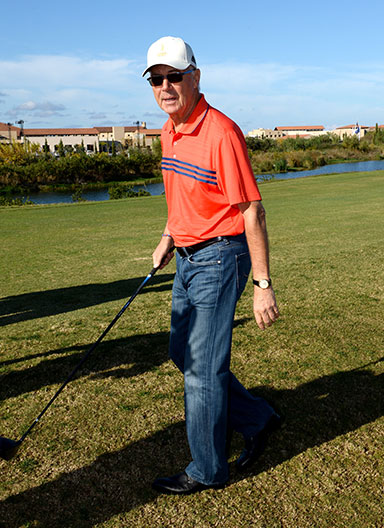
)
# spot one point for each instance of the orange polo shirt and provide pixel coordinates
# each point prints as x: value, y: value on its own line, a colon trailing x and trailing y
x: 206, y: 171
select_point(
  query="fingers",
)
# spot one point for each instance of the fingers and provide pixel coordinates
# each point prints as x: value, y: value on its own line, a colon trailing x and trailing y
x: 168, y: 257
x: 266, y: 319
x: 160, y: 261
x: 266, y: 314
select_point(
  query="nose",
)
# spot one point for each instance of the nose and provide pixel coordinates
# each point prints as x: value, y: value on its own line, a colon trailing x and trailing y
x: 166, y: 85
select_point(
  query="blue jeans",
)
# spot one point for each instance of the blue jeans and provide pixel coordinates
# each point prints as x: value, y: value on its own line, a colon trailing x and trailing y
x: 206, y: 289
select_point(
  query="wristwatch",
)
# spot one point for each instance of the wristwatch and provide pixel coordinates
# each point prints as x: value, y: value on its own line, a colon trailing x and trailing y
x: 264, y: 284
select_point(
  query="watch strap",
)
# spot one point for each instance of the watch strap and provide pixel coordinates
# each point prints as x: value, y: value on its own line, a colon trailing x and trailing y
x: 257, y: 283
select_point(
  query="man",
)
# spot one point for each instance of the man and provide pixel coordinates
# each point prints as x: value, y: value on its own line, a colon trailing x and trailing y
x: 217, y: 224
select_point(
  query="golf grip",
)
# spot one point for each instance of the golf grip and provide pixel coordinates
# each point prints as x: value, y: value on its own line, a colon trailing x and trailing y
x: 92, y: 348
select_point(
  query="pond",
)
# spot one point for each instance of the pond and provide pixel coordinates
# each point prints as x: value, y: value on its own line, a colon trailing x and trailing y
x: 156, y: 189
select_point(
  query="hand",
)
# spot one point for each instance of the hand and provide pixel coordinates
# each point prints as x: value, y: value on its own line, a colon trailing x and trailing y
x: 163, y: 254
x: 264, y: 307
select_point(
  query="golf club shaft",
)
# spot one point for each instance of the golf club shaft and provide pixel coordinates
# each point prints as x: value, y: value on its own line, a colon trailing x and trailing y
x: 111, y: 324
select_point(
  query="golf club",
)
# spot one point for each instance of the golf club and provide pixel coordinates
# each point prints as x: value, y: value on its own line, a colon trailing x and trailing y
x: 8, y: 447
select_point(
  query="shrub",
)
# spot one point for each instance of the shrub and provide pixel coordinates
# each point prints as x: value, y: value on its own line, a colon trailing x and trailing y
x: 116, y: 192
x: 24, y: 165
x: 77, y: 196
x: 8, y: 200
x: 280, y: 165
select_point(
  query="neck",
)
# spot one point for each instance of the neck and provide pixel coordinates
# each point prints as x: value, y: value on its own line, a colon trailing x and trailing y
x: 180, y: 120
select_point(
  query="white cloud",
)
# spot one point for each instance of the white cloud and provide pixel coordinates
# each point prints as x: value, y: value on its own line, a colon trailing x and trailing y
x: 246, y: 77
x: 69, y: 89
x: 268, y: 95
x: 46, y: 85
x: 41, y: 107
x: 64, y: 71
x: 45, y: 109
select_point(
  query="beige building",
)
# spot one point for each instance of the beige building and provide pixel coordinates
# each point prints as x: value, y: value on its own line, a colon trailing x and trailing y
x: 312, y: 130
x: 287, y: 131
x: 120, y: 134
x: 138, y: 135
x: 89, y: 137
x: 263, y: 133
x: 351, y: 130
x: 309, y: 131
x: 152, y: 134
x: 9, y: 133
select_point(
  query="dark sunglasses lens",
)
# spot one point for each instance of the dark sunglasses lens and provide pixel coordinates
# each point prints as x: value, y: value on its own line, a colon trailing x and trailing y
x: 174, y: 77
x: 156, y: 80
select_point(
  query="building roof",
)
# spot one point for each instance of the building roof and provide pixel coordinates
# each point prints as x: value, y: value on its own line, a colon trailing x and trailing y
x: 4, y: 127
x: 153, y: 131
x: 351, y: 127
x: 61, y: 132
x: 299, y: 127
x: 103, y: 129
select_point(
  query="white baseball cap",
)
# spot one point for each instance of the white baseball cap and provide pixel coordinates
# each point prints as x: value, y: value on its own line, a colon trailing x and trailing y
x: 171, y: 51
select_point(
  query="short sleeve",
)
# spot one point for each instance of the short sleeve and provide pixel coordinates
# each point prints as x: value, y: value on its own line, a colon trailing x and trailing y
x: 235, y: 176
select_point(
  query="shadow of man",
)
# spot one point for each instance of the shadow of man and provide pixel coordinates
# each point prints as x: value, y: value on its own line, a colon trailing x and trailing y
x: 321, y: 410
x: 34, y: 305
x: 110, y: 355
x: 315, y: 412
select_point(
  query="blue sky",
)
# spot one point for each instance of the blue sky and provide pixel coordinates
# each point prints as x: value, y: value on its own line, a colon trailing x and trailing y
x: 265, y: 64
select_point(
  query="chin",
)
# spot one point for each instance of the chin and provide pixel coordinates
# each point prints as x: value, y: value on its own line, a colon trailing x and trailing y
x: 170, y: 108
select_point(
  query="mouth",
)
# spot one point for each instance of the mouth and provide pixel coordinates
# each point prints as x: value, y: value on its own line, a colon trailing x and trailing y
x: 168, y: 100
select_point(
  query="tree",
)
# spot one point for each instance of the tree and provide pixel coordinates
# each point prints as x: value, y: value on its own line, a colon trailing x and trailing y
x: 156, y: 149
x: 378, y: 136
x: 46, y: 146
x: 60, y: 149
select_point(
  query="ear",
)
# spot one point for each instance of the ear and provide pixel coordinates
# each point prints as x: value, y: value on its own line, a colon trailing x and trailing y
x: 196, y: 78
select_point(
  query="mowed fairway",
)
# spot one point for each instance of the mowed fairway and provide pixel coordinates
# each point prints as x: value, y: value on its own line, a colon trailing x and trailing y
x: 66, y: 271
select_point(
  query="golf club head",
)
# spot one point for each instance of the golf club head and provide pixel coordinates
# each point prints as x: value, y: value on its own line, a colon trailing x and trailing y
x: 8, y: 448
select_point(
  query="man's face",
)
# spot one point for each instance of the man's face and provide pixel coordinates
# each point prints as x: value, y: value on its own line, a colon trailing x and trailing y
x: 179, y: 99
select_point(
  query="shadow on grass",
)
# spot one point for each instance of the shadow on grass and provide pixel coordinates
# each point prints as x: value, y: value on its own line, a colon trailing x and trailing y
x: 34, y: 305
x: 106, y: 361
x: 115, y: 483
x: 109, y: 356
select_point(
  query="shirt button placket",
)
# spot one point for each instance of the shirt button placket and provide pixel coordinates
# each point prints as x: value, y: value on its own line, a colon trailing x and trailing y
x: 175, y: 141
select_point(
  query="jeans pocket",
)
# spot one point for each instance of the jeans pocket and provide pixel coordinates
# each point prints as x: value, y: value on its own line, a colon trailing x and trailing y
x: 209, y: 257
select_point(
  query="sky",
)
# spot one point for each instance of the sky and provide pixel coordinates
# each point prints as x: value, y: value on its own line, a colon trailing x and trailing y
x: 264, y: 64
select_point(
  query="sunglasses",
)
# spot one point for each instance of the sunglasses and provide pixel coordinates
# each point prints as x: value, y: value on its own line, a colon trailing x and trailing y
x: 173, y: 78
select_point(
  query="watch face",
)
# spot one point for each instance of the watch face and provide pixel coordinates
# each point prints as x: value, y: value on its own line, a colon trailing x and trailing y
x: 264, y: 284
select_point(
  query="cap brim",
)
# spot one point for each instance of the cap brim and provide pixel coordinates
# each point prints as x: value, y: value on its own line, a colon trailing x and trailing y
x: 179, y: 66
x: 146, y: 71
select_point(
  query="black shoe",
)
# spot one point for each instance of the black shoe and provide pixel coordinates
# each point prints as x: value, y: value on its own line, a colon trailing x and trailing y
x: 181, y: 484
x: 255, y: 445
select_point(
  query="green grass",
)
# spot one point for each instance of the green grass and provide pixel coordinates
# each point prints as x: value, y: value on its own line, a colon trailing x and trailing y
x: 66, y: 270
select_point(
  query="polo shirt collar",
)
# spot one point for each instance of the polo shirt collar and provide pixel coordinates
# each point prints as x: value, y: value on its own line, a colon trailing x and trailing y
x: 194, y: 120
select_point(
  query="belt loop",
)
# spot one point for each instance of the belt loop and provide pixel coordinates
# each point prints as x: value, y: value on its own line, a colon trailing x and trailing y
x: 183, y: 252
